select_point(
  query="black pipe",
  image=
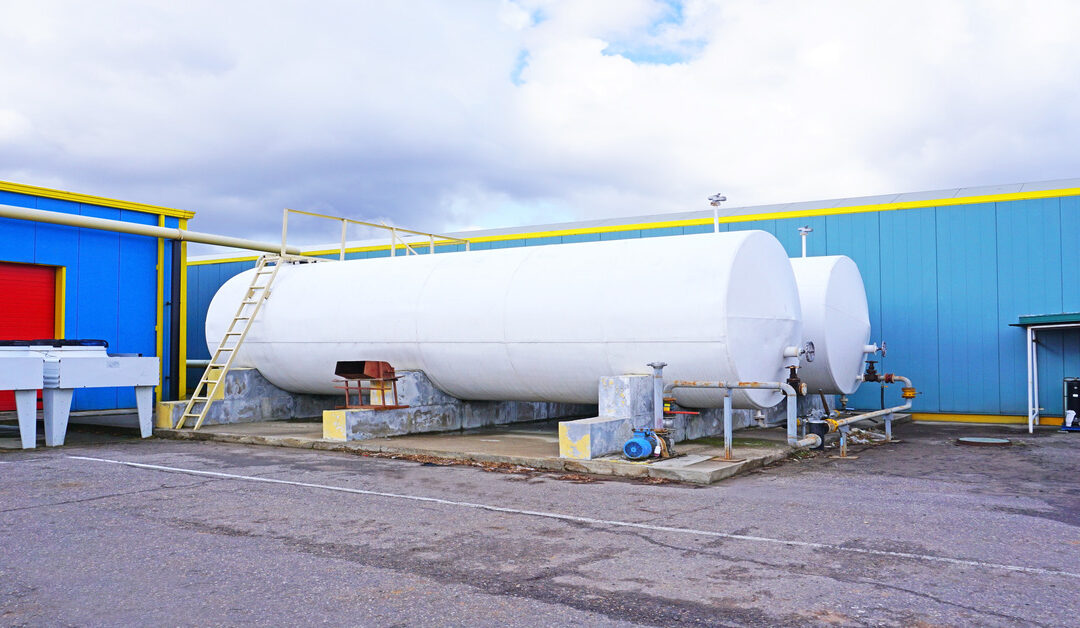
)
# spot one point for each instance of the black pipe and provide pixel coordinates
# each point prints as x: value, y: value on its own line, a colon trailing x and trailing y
x: 821, y: 428
x: 172, y: 379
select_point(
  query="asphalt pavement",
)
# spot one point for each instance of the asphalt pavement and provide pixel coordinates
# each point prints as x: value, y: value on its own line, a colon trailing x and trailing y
x: 920, y: 533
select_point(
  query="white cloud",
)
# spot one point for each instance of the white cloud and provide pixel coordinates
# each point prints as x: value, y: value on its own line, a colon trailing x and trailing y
x: 440, y: 115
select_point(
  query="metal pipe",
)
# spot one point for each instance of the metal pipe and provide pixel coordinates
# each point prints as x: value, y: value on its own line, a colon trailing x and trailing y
x: 876, y: 413
x: 803, y: 231
x: 810, y: 440
x: 191, y: 364
x: 658, y: 394
x: 727, y: 426
x: 118, y: 226
x: 344, y: 230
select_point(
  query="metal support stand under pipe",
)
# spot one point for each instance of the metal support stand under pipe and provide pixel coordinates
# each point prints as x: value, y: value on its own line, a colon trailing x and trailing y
x: 844, y: 425
x: 810, y: 440
x: 727, y: 425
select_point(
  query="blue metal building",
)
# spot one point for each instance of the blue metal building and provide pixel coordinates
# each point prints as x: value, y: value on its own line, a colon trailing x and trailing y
x: 946, y: 273
x: 111, y: 286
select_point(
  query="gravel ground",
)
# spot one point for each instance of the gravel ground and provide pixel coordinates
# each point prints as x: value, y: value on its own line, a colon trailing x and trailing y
x: 918, y: 533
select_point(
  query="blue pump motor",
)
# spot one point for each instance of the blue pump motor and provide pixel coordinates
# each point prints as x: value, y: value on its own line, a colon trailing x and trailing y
x: 641, y: 446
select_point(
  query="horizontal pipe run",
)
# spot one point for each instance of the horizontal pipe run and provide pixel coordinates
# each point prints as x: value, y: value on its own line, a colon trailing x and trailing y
x: 877, y: 413
x: 119, y: 226
x: 810, y: 440
x: 197, y: 363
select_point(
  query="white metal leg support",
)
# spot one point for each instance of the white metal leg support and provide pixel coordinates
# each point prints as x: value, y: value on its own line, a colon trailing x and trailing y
x: 57, y: 406
x: 26, y: 405
x: 144, y: 401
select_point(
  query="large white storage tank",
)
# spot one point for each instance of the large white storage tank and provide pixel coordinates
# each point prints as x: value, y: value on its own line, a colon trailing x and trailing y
x: 836, y: 319
x: 534, y: 323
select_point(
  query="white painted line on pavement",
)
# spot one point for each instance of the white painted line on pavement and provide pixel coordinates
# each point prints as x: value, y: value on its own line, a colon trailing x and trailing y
x: 599, y: 522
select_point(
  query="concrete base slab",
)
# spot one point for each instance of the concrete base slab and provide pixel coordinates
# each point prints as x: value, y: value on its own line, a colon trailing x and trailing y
x: 529, y: 445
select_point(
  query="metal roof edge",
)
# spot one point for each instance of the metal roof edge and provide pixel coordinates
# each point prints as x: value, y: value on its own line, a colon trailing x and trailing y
x: 33, y: 190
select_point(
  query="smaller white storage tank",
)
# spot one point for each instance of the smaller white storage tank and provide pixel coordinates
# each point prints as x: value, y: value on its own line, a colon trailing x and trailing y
x: 836, y: 319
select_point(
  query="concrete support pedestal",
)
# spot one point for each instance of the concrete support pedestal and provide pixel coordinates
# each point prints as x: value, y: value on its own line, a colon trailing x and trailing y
x: 431, y: 410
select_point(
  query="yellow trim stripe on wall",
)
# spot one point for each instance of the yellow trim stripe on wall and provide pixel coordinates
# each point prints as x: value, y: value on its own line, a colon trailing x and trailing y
x: 661, y: 224
x: 1007, y: 419
x: 33, y: 190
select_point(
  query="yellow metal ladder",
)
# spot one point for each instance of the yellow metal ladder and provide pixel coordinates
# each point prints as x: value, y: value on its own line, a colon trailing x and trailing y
x: 213, y: 378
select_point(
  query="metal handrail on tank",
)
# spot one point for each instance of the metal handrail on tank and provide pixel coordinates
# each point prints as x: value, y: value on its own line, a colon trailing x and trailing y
x: 395, y: 232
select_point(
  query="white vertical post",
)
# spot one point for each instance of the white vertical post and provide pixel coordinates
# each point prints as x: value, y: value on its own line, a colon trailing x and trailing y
x: 727, y: 425
x: 344, y: 226
x: 804, y: 231
x: 284, y: 230
x: 1035, y: 375
x: 393, y: 242
x: 1030, y: 381
x: 431, y: 245
x: 716, y: 219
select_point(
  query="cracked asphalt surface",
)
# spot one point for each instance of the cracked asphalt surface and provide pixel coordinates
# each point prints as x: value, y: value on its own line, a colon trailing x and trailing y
x: 91, y: 543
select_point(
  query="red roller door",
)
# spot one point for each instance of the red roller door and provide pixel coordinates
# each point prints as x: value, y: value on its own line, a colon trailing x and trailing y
x: 27, y: 308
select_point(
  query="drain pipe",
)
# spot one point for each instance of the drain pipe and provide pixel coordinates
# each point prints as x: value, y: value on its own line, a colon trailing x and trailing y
x: 118, y: 226
x: 658, y: 394
x: 810, y: 440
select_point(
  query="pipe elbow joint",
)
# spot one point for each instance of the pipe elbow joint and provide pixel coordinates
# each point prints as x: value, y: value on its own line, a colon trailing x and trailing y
x: 810, y: 441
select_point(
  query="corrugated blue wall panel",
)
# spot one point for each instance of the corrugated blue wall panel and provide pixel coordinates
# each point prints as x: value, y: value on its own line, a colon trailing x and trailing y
x: 702, y: 228
x: 98, y: 300
x: 137, y: 296
x: 1070, y: 253
x: 856, y: 235
x: 543, y: 241
x: 578, y: 237
x: 621, y: 235
x: 667, y: 231
x: 967, y: 309
x: 16, y: 236
x: 1070, y: 282
x: 1029, y: 282
x: 909, y: 295
x: 753, y: 225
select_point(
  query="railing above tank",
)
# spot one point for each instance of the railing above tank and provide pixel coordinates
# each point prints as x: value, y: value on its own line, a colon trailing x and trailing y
x: 397, y: 234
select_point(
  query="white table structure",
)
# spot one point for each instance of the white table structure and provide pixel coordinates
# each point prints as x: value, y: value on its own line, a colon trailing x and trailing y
x: 57, y: 368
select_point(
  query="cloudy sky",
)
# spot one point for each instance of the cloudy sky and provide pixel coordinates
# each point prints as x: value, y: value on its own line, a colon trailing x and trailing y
x: 445, y: 115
